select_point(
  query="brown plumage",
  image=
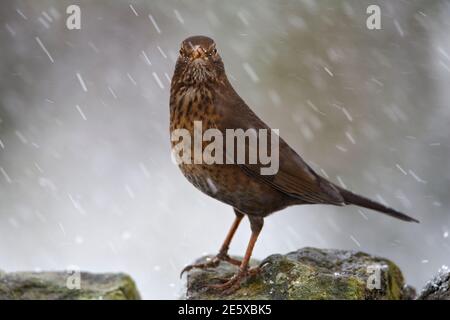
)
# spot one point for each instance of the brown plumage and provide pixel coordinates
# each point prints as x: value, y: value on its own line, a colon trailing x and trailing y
x: 200, y: 91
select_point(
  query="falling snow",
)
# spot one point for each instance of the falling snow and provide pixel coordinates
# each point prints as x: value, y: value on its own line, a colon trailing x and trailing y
x: 83, y: 85
x: 44, y: 49
x: 146, y: 58
x: 251, y: 73
x: 145, y: 170
x: 355, y: 241
x: 5, y: 175
x: 112, y: 92
x: 154, y: 23
x: 350, y: 137
x: 131, y: 79
x: 84, y: 146
x: 211, y: 185
x: 416, y: 177
x: 347, y: 114
x: 10, y: 30
x: 134, y: 10
x: 44, y: 22
x: 129, y: 191
x: 314, y: 107
x: 21, y: 14
x: 21, y: 137
x: 81, y: 112
x: 178, y: 16
x: 93, y: 46
x: 399, y: 28
x: 328, y: 71
x: 341, y: 148
x: 158, y: 80
x: 162, y: 52
x: 341, y: 182
x: 363, y: 214
x: 243, y: 18
x: 76, y: 204
x: 401, y: 169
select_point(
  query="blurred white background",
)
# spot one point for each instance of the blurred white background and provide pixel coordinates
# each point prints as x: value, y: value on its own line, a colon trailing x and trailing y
x: 86, y: 177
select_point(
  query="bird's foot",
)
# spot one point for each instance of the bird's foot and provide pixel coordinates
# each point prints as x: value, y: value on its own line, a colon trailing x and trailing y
x: 212, y: 263
x: 231, y: 285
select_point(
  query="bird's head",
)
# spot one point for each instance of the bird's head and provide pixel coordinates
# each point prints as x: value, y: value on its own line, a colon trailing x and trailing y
x: 199, y: 61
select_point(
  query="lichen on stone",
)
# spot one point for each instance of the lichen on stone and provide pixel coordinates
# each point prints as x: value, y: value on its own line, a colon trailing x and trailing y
x: 308, y: 273
x: 53, y: 286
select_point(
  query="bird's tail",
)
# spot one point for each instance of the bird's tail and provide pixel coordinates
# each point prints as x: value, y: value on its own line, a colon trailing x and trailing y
x: 351, y: 198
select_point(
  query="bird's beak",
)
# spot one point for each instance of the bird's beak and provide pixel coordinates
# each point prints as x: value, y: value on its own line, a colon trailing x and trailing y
x: 197, y: 53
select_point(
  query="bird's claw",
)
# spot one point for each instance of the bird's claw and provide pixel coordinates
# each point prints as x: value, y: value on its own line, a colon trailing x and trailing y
x: 213, y: 263
x: 232, y: 284
x: 210, y: 264
x: 229, y: 286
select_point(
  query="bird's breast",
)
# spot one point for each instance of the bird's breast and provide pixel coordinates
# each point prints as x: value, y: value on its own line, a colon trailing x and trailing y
x: 225, y: 182
x: 192, y: 103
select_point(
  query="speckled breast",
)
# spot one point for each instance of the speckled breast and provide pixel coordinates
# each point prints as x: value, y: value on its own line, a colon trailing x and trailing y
x: 225, y: 182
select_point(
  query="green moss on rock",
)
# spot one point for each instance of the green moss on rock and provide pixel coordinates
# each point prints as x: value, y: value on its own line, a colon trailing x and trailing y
x: 308, y: 273
x: 54, y: 286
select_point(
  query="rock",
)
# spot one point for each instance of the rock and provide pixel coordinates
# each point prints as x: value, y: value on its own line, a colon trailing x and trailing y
x: 309, y: 273
x: 64, y: 286
x: 409, y: 293
x: 437, y: 288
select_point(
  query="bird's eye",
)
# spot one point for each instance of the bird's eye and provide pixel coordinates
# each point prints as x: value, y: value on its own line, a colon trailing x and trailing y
x: 181, y: 52
x: 212, y: 52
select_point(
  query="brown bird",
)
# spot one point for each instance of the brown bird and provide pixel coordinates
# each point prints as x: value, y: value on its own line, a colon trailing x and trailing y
x: 200, y: 91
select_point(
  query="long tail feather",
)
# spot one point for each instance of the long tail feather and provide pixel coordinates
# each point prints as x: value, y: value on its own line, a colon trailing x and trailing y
x: 351, y: 198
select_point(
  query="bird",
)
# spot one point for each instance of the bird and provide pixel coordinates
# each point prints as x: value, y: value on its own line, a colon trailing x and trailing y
x: 200, y: 91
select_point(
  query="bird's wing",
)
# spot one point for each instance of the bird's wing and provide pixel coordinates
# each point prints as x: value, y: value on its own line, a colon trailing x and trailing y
x: 294, y: 177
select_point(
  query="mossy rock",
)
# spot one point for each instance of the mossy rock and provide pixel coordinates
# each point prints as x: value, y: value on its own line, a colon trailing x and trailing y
x: 65, y: 286
x: 309, y: 273
x: 437, y: 288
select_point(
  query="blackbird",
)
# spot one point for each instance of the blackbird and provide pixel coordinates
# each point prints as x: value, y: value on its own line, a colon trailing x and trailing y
x: 200, y: 91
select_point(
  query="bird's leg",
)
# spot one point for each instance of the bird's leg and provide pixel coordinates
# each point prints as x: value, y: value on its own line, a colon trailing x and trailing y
x: 223, y: 252
x: 234, y: 282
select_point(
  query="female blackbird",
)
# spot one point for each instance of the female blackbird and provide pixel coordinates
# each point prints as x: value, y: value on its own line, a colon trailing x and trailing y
x: 200, y: 91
